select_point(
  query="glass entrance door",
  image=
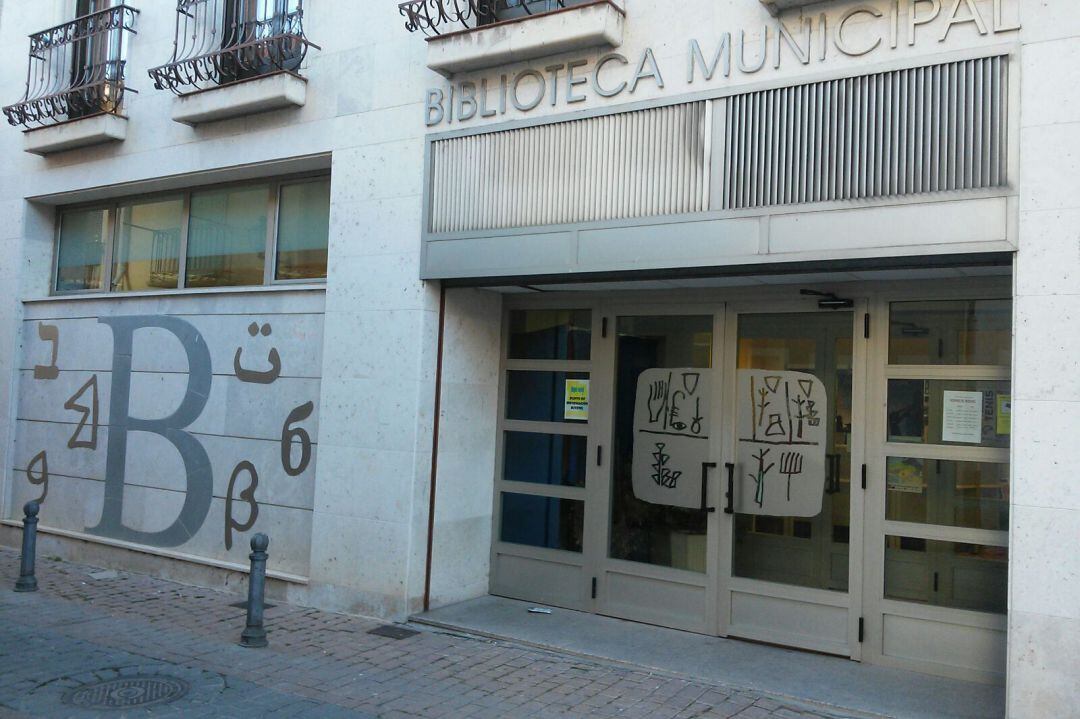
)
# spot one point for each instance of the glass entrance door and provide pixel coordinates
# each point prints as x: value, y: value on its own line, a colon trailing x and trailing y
x: 774, y: 562
x: 791, y: 425
x: 661, y: 552
x: 866, y: 451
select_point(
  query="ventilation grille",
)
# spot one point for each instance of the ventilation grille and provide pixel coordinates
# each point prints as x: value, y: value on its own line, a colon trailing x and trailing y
x: 632, y: 164
x: 927, y: 129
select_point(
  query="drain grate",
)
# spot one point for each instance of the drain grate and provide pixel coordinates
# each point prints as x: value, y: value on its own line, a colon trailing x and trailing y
x: 127, y: 692
x: 393, y: 632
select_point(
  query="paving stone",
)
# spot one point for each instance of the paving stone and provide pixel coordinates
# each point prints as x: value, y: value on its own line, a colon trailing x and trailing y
x: 78, y: 630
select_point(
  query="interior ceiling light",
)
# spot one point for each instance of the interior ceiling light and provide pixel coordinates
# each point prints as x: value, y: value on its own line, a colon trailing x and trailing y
x: 910, y: 329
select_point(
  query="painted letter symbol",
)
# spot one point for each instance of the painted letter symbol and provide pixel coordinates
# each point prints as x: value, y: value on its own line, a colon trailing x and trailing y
x: 200, y: 481
x: 89, y: 413
x: 791, y: 464
x: 762, y: 472
x: 49, y: 333
x: 246, y: 495
x: 256, y: 376
x: 289, y: 433
x: 41, y: 462
x: 657, y: 400
x: 662, y: 474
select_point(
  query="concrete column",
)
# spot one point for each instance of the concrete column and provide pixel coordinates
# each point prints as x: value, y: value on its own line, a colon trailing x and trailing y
x: 378, y: 384
x: 1044, y: 614
x: 465, y: 483
x: 26, y: 251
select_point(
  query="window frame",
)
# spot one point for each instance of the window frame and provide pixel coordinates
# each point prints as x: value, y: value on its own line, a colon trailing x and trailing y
x: 112, y: 210
x: 880, y: 449
x: 270, y: 278
x: 501, y: 6
x: 106, y: 254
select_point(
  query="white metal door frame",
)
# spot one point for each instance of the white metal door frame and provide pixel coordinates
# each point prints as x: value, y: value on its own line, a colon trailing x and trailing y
x: 604, y: 565
x: 865, y: 597
x: 876, y: 606
x: 568, y: 564
x: 852, y: 600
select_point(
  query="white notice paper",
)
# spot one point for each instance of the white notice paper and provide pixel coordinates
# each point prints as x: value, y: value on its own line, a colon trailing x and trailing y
x: 782, y: 432
x: 671, y: 435
x: 961, y: 417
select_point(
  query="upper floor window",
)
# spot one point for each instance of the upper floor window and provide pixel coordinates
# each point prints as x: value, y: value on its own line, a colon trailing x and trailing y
x: 513, y: 9
x: 215, y: 237
x: 223, y: 41
x: 76, y: 69
x: 435, y: 17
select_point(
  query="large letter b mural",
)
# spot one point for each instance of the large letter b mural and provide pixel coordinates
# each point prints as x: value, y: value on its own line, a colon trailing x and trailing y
x: 200, y: 482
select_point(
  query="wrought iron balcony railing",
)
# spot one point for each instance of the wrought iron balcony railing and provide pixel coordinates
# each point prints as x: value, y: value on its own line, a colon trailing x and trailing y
x: 76, y: 69
x: 434, y: 17
x: 224, y: 41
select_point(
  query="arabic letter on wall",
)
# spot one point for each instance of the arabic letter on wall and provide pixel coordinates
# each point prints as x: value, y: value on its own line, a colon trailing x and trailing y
x: 169, y: 422
x: 781, y: 436
x: 671, y: 435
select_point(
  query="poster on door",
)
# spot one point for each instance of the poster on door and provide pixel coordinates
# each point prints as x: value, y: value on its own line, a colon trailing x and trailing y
x: 671, y: 435
x: 781, y: 434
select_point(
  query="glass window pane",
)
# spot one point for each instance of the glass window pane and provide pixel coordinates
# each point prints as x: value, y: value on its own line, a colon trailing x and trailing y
x: 227, y: 237
x: 550, y: 334
x: 81, y: 255
x: 540, y: 396
x: 147, y: 252
x: 512, y: 9
x: 946, y: 492
x: 951, y: 332
x: 946, y: 574
x: 303, y: 230
x: 544, y: 458
x: 642, y: 531
x: 803, y: 551
x: 959, y: 412
x: 542, y: 521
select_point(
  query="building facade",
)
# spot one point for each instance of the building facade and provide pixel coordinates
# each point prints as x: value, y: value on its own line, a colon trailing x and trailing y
x: 724, y: 316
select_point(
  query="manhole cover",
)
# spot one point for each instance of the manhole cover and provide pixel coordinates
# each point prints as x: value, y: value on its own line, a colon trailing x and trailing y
x: 393, y: 632
x: 127, y: 692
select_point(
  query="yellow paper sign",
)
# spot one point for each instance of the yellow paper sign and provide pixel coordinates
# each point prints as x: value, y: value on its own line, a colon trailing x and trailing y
x: 577, y: 399
x: 1004, y: 414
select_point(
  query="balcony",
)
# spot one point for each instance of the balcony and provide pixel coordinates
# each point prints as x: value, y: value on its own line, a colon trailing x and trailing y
x: 467, y: 35
x: 75, y: 83
x: 235, y: 57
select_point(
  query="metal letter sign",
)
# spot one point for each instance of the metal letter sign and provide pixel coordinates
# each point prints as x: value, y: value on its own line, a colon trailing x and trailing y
x: 671, y: 435
x: 782, y: 430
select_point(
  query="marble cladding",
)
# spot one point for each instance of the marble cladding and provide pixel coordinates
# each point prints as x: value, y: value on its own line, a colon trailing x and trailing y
x: 1044, y: 577
x: 70, y: 441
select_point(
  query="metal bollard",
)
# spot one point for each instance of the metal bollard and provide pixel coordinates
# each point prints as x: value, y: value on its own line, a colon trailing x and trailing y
x: 254, y: 634
x: 27, y: 582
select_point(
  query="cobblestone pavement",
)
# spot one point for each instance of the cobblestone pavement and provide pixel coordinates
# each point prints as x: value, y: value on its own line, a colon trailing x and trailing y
x: 156, y: 639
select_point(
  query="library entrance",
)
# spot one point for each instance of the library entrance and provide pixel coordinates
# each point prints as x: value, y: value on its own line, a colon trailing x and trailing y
x: 817, y: 471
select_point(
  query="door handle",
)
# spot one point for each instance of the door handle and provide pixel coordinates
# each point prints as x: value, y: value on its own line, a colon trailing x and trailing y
x: 705, y: 467
x: 832, y: 483
x: 730, y: 494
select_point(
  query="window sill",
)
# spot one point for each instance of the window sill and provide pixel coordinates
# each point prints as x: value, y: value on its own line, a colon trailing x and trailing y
x: 263, y: 94
x: 201, y: 291
x: 73, y: 134
x: 597, y: 24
